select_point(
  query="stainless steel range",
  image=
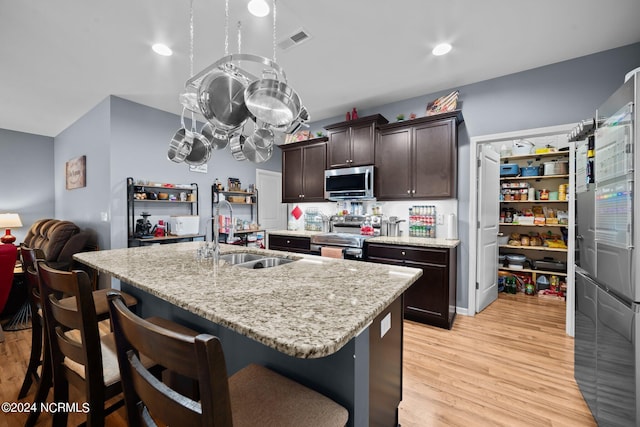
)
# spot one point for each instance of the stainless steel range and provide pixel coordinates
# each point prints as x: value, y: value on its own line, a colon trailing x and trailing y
x: 352, y: 244
x: 345, y: 234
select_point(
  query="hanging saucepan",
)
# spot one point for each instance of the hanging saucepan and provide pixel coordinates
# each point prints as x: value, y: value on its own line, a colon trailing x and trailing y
x: 180, y: 145
x: 200, y: 147
x: 258, y: 147
x: 217, y: 138
x: 272, y: 101
x: 236, y: 141
x: 200, y: 151
x: 221, y: 98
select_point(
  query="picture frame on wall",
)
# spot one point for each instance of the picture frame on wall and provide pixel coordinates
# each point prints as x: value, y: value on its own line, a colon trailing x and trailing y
x: 76, y: 173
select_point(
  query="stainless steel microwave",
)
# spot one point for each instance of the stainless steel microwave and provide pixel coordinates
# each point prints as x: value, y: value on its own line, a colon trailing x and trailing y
x: 349, y: 183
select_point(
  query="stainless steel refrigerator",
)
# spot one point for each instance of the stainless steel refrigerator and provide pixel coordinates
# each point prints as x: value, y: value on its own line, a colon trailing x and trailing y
x: 607, y: 337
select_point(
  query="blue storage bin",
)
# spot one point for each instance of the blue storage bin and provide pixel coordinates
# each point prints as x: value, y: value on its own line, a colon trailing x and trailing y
x: 530, y: 171
x: 509, y: 169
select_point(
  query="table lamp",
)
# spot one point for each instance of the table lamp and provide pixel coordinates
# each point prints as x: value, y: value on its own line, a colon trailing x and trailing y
x: 8, y: 221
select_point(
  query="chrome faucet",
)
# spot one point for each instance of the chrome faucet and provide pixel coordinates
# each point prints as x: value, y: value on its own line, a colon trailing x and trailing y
x: 216, y: 231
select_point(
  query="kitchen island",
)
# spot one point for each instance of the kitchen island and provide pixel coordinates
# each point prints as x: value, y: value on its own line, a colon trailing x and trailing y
x: 333, y: 325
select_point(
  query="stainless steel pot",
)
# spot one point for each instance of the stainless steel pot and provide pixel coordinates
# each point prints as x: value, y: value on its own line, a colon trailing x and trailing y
x: 218, y: 139
x: 393, y: 226
x: 221, y: 99
x: 180, y: 145
x: 272, y: 101
x: 258, y: 147
x: 235, y: 143
x: 200, y: 150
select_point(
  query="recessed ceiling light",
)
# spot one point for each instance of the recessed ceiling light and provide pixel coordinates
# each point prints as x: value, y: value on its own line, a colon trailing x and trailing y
x: 162, y: 49
x: 258, y: 8
x: 441, y: 49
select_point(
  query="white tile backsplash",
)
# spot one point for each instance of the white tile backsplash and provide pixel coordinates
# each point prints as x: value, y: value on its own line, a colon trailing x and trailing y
x: 399, y: 209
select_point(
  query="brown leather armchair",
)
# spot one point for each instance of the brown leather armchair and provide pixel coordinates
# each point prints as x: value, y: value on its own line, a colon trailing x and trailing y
x: 58, y: 240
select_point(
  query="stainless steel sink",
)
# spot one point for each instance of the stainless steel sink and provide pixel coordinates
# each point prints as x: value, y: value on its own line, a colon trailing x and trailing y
x: 265, y: 262
x: 241, y: 257
x: 248, y: 260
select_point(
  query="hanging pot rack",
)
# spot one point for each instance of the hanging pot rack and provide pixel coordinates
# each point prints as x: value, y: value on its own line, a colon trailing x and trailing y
x: 247, y: 104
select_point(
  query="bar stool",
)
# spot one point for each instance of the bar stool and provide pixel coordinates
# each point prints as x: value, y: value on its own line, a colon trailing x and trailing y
x: 29, y: 256
x: 79, y: 354
x: 254, y: 396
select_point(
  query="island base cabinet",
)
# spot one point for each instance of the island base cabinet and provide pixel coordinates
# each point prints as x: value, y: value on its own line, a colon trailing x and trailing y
x: 432, y: 298
x: 364, y: 376
x: 385, y: 366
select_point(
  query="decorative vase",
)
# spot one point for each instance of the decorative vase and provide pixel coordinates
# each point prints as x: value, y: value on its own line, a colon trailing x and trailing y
x: 354, y: 114
x: 348, y: 116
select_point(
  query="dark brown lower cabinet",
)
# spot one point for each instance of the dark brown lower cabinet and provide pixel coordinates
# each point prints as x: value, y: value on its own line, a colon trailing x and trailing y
x: 290, y: 243
x: 432, y: 298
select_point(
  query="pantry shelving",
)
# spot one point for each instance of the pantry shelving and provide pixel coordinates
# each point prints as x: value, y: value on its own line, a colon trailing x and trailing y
x: 522, y: 197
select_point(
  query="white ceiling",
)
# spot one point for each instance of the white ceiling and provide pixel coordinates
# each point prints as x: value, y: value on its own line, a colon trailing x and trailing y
x: 58, y: 59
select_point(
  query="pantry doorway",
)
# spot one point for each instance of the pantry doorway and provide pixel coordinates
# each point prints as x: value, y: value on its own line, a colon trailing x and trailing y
x: 477, y: 267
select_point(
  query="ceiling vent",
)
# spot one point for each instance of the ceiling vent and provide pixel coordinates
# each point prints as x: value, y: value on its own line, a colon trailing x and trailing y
x: 297, y: 37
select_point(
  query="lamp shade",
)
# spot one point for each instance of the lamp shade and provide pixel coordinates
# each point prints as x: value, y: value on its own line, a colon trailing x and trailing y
x: 10, y: 220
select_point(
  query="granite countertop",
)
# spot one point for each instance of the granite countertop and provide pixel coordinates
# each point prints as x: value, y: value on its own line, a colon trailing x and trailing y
x: 410, y: 241
x: 416, y: 241
x: 309, y: 308
x: 296, y: 233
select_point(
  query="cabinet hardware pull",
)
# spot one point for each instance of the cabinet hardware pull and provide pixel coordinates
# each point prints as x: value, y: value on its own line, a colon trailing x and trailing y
x: 413, y: 191
x: 288, y: 241
x: 403, y: 253
x: 408, y: 191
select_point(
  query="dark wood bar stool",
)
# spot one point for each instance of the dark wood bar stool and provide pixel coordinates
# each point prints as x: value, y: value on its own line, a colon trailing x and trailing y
x: 29, y: 256
x: 79, y: 354
x: 254, y: 396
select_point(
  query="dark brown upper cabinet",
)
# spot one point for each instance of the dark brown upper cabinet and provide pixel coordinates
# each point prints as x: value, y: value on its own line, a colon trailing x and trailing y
x: 303, y: 165
x: 418, y: 159
x: 352, y: 143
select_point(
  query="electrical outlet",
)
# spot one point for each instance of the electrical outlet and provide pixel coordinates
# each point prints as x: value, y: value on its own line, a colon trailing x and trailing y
x: 440, y: 219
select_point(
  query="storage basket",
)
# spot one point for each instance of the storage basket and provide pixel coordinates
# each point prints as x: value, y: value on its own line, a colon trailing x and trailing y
x: 522, y: 147
x: 236, y: 199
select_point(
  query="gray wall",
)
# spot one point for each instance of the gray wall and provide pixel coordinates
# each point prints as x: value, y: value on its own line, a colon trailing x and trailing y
x: 552, y: 95
x: 124, y: 139
x: 88, y: 136
x: 26, y: 177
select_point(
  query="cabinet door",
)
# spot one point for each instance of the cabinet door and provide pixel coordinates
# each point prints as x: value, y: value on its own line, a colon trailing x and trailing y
x: 435, y: 160
x: 362, y: 145
x: 339, y: 148
x: 314, y: 160
x: 428, y: 298
x: 292, y: 175
x: 393, y: 156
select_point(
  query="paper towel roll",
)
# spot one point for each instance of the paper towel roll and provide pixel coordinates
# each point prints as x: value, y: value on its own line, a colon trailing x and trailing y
x: 452, y: 227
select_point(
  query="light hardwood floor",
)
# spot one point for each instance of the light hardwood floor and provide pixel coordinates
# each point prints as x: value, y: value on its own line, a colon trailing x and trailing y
x: 511, y: 365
